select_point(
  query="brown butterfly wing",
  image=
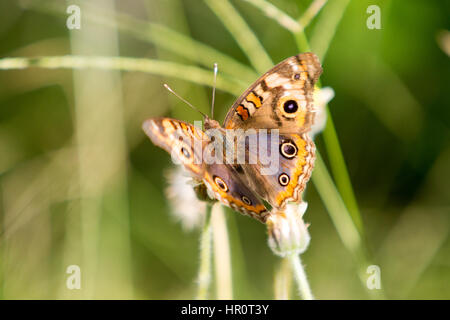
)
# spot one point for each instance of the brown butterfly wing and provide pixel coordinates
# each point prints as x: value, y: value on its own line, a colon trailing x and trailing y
x: 186, y: 144
x: 288, y: 176
x: 231, y: 189
x: 282, y: 98
x: 182, y: 140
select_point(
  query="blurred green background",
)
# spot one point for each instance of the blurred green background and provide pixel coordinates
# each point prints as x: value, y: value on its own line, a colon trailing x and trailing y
x: 81, y: 184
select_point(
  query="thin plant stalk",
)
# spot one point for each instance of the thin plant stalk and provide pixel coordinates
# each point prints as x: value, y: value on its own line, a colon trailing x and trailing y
x: 326, y: 26
x: 164, y: 68
x: 309, y: 14
x: 204, y: 271
x: 335, y: 206
x: 273, y: 12
x: 342, y: 221
x: 340, y: 172
x: 301, y: 41
x: 296, y: 27
x: 222, y: 255
x: 303, y: 287
x: 283, y: 280
x: 241, y: 32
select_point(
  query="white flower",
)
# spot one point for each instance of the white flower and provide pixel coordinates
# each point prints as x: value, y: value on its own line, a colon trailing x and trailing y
x: 321, y: 98
x: 185, y: 206
x: 288, y: 233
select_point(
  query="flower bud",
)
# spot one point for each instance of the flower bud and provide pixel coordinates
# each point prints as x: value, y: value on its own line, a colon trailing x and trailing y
x: 288, y: 232
x: 321, y: 98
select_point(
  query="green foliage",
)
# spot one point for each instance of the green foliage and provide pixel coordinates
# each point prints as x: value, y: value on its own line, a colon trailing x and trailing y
x: 81, y: 184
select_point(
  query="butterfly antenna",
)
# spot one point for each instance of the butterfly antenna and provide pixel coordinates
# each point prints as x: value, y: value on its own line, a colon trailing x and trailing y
x: 214, y: 90
x: 184, y: 100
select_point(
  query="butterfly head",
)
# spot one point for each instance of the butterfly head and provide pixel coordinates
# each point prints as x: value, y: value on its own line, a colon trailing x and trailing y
x: 211, y: 124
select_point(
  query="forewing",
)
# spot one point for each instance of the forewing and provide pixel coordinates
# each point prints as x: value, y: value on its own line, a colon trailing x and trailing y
x: 282, y: 98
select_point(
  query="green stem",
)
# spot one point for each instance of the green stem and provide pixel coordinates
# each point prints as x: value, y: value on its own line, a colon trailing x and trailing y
x: 301, y: 41
x: 204, y: 271
x: 335, y: 206
x: 300, y: 277
x: 158, y: 67
x: 273, y: 12
x: 342, y: 220
x: 222, y: 255
x: 340, y: 172
x: 326, y: 27
x: 242, y: 33
x: 283, y: 280
x: 287, y: 22
x: 313, y: 9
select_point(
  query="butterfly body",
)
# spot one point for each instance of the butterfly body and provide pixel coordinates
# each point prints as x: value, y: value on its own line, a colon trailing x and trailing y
x: 263, y: 150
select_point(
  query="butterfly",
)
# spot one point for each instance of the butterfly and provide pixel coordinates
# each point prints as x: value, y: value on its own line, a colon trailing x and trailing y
x: 279, y: 104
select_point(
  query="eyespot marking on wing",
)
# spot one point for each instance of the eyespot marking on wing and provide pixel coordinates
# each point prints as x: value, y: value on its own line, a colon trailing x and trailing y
x: 296, y: 183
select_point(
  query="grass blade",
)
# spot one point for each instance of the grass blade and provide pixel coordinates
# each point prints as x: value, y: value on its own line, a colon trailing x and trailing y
x: 273, y: 12
x: 204, y: 271
x: 340, y: 173
x: 157, y: 67
x: 313, y: 9
x: 242, y: 33
x: 326, y: 27
x: 222, y: 255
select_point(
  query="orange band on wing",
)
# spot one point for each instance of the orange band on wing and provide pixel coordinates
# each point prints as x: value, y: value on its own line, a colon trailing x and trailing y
x: 302, y: 172
x: 254, y: 99
x: 222, y: 195
x: 242, y: 112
